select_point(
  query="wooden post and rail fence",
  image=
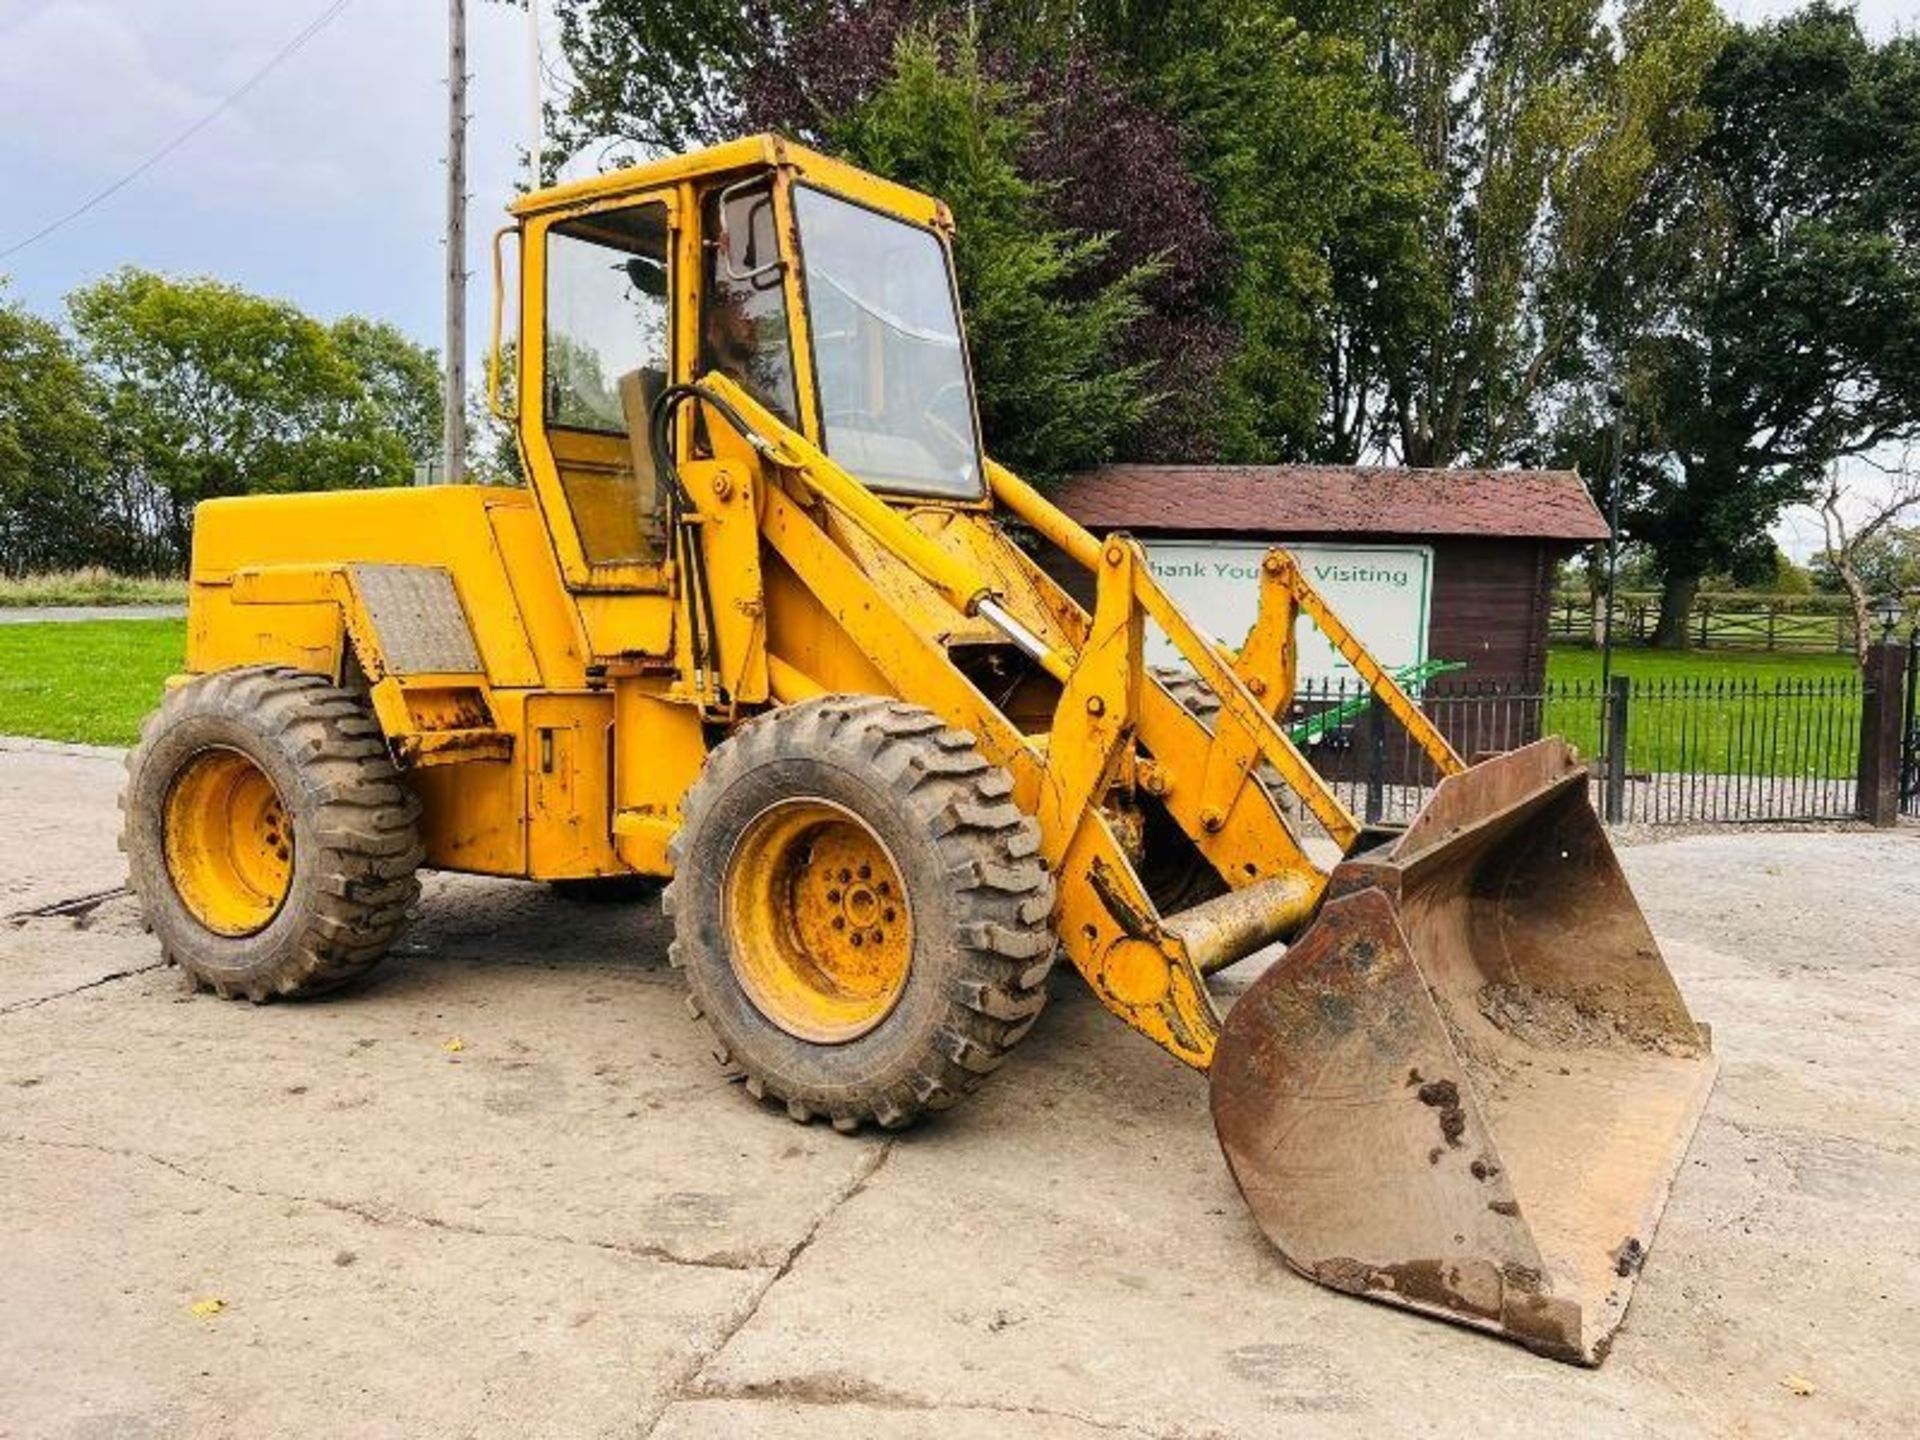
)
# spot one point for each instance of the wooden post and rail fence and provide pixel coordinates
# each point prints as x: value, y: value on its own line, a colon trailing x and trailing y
x: 1808, y: 624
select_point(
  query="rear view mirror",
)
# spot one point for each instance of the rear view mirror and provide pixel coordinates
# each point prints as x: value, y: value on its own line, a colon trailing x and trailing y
x: 647, y: 276
x: 749, y: 249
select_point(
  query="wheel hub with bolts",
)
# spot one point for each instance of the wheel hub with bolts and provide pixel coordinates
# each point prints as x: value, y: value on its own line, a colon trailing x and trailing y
x: 229, y: 844
x: 823, y: 930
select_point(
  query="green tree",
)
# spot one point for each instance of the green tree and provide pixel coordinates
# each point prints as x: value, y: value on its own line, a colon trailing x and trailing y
x: 1052, y: 395
x: 493, y: 441
x: 1321, y: 196
x: 52, y: 448
x: 400, y: 382
x: 1887, y: 563
x: 210, y: 391
x: 1407, y: 201
x: 1767, y: 318
x: 1544, y: 128
x: 668, y: 74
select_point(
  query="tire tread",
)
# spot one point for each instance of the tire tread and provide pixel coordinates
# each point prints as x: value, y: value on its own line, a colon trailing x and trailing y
x: 363, y: 819
x: 986, y: 844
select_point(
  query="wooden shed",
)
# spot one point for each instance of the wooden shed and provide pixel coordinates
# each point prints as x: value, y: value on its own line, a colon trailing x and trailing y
x: 1495, y: 536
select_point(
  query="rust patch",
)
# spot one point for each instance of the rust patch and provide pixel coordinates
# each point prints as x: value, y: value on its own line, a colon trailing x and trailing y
x: 1549, y: 1327
x: 1524, y: 1278
x: 1504, y: 1207
x: 1631, y: 1255
x: 1444, y: 1096
x: 1483, y: 1169
x: 1347, y: 1275
x: 1430, y: 1282
x: 1523, y: 1311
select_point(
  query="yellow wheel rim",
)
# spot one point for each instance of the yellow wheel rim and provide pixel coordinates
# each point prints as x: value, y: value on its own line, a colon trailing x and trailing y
x: 821, y: 930
x: 229, y: 844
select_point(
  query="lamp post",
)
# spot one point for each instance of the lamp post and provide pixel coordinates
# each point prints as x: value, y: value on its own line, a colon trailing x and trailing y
x: 1618, y: 401
x: 1887, y: 610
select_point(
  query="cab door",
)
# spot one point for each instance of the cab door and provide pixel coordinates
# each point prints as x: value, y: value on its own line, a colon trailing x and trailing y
x: 601, y: 280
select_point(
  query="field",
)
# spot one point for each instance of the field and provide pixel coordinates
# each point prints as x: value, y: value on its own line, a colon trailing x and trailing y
x: 90, y: 681
x: 89, y: 587
x: 1717, y: 712
x: 1577, y: 663
x: 1742, y: 622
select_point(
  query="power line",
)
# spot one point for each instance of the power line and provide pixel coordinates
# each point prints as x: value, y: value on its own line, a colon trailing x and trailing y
x: 279, y: 57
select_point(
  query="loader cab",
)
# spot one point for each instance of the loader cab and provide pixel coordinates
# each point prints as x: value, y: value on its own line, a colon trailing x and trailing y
x: 827, y: 294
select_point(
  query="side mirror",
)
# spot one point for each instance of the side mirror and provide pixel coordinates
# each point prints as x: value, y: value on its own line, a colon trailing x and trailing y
x: 739, y: 246
x: 647, y: 276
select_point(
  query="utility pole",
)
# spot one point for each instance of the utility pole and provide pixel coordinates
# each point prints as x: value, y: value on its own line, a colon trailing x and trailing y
x: 456, y: 378
x: 536, y: 117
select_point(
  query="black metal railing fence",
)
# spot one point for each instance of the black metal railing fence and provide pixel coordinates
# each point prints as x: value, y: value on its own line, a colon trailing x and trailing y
x: 1662, y: 752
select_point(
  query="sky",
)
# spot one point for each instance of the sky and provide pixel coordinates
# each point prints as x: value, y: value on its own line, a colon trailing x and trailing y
x: 325, y: 183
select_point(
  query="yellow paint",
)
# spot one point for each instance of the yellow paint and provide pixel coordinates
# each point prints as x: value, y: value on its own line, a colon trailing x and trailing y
x: 820, y: 924
x: 569, y: 786
x: 1137, y: 972
x: 568, y: 752
x: 228, y: 843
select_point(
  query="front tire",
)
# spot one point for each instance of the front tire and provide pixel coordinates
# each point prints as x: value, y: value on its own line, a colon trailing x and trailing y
x: 860, y: 909
x: 269, y: 837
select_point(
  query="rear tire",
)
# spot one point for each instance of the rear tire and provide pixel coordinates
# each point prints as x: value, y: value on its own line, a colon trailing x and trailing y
x: 953, y: 971
x: 269, y: 838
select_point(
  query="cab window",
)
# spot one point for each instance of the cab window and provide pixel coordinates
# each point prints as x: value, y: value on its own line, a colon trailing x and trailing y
x: 743, y: 304
x: 607, y: 357
x: 896, y: 402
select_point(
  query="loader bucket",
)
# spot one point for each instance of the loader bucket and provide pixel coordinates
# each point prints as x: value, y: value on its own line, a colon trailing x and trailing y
x: 1467, y: 1086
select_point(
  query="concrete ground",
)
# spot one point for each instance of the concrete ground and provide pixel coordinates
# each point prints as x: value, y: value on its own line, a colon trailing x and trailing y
x: 502, y: 1190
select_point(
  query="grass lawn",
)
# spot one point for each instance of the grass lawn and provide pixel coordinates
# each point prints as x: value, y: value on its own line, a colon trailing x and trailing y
x: 1717, y: 712
x: 94, y: 681
x: 90, y: 680
x: 89, y: 587
x: 1575, y: 663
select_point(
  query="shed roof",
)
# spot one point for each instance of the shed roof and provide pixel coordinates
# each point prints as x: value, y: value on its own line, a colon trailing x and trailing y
x: 1334, y: 500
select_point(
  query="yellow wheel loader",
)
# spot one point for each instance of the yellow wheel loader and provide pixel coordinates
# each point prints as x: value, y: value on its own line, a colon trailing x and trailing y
x: 754, y: 628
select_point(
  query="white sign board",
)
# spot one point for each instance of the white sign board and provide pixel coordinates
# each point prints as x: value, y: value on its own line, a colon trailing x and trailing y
x: 1382, y: 592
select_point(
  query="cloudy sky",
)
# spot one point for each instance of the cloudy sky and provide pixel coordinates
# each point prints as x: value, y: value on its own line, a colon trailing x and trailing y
x: 323, y: 184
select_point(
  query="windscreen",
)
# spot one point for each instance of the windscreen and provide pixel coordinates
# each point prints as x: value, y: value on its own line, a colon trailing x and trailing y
x: 896, y: 406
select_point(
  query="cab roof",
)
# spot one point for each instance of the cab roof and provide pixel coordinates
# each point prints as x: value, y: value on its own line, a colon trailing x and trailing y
x: 753, y: 152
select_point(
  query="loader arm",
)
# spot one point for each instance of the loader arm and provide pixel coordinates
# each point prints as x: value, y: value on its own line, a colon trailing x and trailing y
x: 1467, y: 1085
x: 1110, y: 717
